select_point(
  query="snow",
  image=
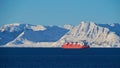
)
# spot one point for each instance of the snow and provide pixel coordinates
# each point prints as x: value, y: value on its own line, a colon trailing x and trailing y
x: 15, y: 24
x: 31, y: 37
x: 12, y: 27
x: 37, y: 28
x: 67, y: 26
x: 92, y: 34
x: 27, y: 35
x: 32, y: 44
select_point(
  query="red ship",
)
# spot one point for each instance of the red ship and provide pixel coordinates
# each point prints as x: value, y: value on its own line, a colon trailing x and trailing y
x: 71, y: 45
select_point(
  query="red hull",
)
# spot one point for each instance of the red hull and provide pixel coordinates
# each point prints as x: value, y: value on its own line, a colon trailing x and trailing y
x: 74, y: 46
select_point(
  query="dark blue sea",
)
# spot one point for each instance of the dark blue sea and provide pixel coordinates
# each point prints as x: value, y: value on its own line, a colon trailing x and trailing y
x: 59, y: 58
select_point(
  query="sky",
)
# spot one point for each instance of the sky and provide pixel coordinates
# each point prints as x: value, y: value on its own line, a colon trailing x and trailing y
x: 59, y: 12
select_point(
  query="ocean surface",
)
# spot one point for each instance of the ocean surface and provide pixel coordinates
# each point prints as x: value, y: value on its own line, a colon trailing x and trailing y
x: 59, y: 58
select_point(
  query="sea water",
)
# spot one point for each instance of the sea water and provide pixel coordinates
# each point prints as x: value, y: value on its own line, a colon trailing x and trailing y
x: 59, y: 58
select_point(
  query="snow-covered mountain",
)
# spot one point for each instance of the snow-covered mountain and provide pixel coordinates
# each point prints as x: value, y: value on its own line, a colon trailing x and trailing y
x: 26, y: 35
x: 95, y: 35
x: 9, y: 32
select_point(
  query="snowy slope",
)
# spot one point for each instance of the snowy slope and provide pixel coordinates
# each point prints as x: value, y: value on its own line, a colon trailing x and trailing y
x: 9, y: 32
x: 35, y: 35
x: 27, y: 35
x: 95, y: 35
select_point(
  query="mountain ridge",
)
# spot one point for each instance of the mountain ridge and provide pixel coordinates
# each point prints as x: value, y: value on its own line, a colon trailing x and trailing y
x: 92, y: 34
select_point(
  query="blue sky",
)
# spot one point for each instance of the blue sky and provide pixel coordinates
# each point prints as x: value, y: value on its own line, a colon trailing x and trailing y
x: 59, y: 12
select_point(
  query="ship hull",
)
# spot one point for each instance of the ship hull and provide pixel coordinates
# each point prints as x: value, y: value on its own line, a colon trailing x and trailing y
x: 74, y: 46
